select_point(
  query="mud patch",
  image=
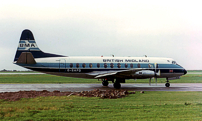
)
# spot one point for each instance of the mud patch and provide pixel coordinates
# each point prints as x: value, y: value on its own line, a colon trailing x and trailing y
x: 111, y: 94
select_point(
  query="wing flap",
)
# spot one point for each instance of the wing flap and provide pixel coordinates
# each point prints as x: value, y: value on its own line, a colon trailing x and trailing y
x: 105, y: 74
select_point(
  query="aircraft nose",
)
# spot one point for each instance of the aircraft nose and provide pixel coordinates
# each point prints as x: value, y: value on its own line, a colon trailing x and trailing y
x: 185, y: 71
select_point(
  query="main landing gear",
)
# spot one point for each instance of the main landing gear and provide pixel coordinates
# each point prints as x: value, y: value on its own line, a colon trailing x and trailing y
x: 117, y: 85
x: 167, y: 83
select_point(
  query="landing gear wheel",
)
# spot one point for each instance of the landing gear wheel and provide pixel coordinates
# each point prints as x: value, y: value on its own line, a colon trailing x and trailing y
x: 117, y: 85
x: 105, y: 83
x: 167, y: 84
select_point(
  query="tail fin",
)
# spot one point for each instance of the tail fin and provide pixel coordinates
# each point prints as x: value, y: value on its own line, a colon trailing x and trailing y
x: 28, y: 44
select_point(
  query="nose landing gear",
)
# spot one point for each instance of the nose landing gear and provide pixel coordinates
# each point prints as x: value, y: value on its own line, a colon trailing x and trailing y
x: 167, y: 83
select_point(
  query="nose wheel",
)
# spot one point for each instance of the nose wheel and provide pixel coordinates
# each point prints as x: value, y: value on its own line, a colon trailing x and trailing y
x: 167, y: 83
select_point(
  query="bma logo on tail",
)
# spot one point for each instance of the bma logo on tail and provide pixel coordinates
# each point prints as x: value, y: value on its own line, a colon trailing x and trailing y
x: 27, y: 45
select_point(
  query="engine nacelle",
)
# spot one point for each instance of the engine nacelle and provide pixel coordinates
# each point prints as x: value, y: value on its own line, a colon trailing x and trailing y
x: 145, y: 73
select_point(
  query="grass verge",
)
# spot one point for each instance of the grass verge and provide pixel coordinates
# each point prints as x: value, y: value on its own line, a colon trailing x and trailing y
x: 147, y: 106
x: 45, y: 78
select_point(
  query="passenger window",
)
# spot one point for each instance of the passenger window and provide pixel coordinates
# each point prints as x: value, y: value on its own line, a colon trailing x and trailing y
x: 131, y: 65
x: 119, y: 65
x: 112, y: 65
x: 77, y: 65
x: 84, y: 65
x: 105, y: 65
x: 138, y: 65
x: 70, y: 65
x: 98, y: 65
x: 126, y: 65
x: 90, y: 65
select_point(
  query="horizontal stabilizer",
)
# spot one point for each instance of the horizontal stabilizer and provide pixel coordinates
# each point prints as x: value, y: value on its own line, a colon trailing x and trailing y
x: 26, y: 58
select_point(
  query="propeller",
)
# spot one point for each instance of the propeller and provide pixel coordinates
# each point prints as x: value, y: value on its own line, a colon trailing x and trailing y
x: 149, y: 81
x: 155, y: 74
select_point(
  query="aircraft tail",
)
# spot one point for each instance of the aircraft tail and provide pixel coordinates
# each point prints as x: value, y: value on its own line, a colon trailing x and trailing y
x: 28, y: 48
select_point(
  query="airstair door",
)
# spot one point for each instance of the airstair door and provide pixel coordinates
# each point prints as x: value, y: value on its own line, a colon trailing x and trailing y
x: 62, y: 65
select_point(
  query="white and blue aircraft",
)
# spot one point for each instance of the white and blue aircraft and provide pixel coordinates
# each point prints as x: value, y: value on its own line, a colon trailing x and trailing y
x: 115, y: 69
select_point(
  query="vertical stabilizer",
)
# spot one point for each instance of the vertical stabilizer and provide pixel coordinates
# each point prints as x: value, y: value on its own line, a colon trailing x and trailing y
x: 27, y: 43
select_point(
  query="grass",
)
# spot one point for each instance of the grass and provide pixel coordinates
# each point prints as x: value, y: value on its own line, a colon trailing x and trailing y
x: 45, y: 78
x: 19, y: 72
x: 194, y: 70
x: 39, y: 72
x: 147, y: 106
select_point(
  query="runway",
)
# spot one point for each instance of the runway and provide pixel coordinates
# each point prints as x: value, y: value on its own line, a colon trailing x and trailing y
x: 88, y: 87
x: 20, y: 73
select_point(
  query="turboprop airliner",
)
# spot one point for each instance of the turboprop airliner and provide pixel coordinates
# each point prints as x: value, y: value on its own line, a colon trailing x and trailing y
x: 114, y: 69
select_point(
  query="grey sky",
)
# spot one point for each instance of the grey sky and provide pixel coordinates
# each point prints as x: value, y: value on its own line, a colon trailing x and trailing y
x: 91, y: 28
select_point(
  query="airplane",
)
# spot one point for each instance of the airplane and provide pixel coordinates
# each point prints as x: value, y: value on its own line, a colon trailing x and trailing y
x: 114, y: 69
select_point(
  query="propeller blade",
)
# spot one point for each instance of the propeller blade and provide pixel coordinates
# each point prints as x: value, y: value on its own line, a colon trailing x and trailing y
x: 158, y: 74
x: 155, y: 67
x: 156, y: 80
x: 150, y: 81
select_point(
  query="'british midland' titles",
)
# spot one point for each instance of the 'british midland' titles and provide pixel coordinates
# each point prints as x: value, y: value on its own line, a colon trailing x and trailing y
x: 126, y: 60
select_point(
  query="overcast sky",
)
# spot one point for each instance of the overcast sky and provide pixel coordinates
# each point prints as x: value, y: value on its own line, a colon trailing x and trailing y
x: 90, y: 28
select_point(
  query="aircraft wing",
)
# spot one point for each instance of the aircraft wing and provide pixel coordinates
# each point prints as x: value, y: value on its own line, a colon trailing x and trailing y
x: 119, y: 73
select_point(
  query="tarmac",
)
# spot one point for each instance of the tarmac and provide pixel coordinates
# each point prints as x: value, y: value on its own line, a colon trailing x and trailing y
x: 89, y: 87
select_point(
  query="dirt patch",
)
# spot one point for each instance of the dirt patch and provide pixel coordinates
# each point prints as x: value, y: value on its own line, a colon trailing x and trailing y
x: 111, y: 94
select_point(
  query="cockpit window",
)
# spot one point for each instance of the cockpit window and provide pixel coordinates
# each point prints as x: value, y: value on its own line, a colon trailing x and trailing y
x: 174, y: 62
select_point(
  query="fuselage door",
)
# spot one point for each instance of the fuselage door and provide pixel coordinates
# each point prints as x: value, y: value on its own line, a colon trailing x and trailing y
x: 62, y: 64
